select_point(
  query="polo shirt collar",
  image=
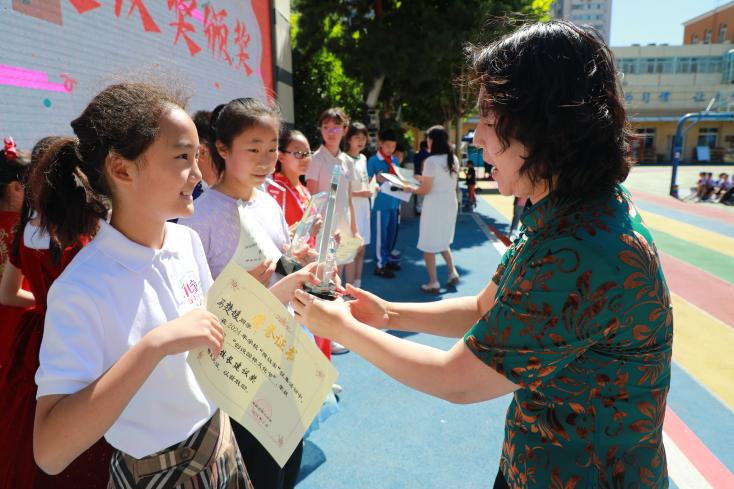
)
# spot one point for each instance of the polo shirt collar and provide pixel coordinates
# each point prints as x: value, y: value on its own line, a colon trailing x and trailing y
x: 133, y: 256
x: 331, y: 156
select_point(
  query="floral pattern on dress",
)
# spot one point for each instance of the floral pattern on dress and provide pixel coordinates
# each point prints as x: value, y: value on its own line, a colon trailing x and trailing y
x: 582, y: 322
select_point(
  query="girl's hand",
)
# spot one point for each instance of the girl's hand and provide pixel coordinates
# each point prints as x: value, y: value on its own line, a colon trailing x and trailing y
x: 316, y: 226
x: 368, y: 308
x: 284, y: 288
x: 195, y: 329
x: 305, y: 255
x: 264, y: 271
x: 322, y: 318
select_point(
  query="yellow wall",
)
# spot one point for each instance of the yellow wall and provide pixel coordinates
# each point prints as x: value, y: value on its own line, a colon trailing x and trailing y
x: 665, y: 131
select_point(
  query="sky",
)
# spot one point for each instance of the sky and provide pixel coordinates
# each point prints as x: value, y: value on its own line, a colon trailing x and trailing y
x: 654, y: 21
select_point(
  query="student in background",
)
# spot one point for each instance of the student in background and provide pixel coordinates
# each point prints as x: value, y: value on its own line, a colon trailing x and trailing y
x: 333, y: 124
x: 385, y: 207
x: 355, y: 142
x: 294, y: 156
x: 13, y: 170
x: 209, y: 177
x: 35, y: 259
x: 471, y: 184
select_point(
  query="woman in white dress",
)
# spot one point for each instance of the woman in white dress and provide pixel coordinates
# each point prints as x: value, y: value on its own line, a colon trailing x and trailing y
x: 438, y: 217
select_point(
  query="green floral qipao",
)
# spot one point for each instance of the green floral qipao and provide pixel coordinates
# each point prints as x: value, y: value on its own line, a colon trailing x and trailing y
x: 582, y: 322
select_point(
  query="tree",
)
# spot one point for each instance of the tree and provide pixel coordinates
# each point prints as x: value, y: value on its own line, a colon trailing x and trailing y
x: 413, y: 50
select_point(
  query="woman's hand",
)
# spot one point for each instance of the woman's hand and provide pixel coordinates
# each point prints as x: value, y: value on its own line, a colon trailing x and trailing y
x: 368, y: 308
x: 264, y: 271
x: 322, y: 318
x: 195, y: 329
x: 284, y: 288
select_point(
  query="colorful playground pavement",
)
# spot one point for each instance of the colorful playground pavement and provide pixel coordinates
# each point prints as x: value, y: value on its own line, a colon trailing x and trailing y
x: 387, y: 436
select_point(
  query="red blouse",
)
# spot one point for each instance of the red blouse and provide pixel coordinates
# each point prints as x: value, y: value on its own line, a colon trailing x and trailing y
x: 293, y: 200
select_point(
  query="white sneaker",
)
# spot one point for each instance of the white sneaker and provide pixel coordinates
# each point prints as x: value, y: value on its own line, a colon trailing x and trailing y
x: 338, y: 349
x: 337, y: 389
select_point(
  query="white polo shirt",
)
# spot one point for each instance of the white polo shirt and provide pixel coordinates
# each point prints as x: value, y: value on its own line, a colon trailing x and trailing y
x: 112, y: 293
x: 320, y: 168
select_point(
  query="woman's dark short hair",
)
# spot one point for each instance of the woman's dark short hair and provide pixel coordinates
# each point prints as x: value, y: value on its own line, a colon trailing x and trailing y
x: 553, y: 87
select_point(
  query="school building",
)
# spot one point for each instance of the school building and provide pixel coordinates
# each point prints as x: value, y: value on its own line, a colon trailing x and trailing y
x: 662, y: 83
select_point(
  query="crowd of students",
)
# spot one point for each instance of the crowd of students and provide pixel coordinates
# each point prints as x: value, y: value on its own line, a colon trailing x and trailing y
x: 107, y: 260
x: 709, y: 189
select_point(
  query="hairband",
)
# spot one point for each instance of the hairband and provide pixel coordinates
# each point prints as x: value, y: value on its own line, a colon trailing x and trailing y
x: 10, y: 149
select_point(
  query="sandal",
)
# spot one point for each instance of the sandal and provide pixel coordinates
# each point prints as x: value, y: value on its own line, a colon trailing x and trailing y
x: 453, y: 279
x: 433, y: 288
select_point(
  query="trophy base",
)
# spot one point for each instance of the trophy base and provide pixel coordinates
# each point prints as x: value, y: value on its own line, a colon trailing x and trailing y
x: 286, y: 266
x: 325, y: 294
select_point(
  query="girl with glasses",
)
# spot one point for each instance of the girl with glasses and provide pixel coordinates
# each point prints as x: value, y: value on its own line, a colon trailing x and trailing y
x: 293, y: 159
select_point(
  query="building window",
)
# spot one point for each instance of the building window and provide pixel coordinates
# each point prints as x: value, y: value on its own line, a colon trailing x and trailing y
x: 707, y: 37
x: 707, y: 136
x: 722, y: 33
x: 683, y: 65
x: 643, y: 145
x: 694, y: 39
x: 715, y: 65
x: 628, y: 65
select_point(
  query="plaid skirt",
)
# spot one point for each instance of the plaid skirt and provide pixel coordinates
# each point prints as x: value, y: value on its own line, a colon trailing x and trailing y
x: 207, y: 459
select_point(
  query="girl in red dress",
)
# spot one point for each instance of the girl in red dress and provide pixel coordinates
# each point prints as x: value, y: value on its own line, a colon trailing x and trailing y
x: 40, y: 261
x: 12, y: 175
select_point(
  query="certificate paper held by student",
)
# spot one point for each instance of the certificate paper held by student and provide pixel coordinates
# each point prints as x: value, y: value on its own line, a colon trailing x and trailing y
x: 269, y: 376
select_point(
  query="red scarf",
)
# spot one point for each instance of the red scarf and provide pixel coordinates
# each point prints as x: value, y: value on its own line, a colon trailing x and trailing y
x: 388, y: 159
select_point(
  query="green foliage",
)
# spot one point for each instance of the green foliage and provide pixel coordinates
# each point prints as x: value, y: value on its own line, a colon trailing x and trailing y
x: 320, y: 82
x: 341, y: 47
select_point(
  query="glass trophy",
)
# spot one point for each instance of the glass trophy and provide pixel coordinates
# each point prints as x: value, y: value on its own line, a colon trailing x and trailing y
x: 326, y: 244
x: 307, y: 228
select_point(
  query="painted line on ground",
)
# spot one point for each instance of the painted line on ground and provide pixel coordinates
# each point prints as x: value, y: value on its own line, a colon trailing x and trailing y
x: 713, y: 262
x: 693, y: 234
x: 680, y: 469
x: 700, y: 288
x: 702, y: 345
x: 708, y: 211
x: 713, y: 225
x: 705, y: 462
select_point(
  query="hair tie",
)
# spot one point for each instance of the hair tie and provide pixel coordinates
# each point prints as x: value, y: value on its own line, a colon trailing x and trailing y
x: 10, y: 149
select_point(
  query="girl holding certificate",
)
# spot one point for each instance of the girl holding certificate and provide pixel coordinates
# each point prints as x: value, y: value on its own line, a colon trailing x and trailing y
x: 124, y: 313
x: 576, y: 322
x: 244, y: 138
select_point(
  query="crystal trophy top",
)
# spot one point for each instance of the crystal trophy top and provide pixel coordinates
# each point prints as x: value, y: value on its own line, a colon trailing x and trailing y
x: 326, y: 244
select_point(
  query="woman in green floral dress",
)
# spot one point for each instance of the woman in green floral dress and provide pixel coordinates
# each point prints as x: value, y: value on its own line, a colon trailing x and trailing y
x: 577, y: 320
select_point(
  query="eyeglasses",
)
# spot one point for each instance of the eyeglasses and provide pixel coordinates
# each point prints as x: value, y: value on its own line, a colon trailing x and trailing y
x: 299, y: 155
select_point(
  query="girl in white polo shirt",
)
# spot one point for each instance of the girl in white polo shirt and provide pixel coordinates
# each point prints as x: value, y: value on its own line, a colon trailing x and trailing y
x: 125, y: 312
